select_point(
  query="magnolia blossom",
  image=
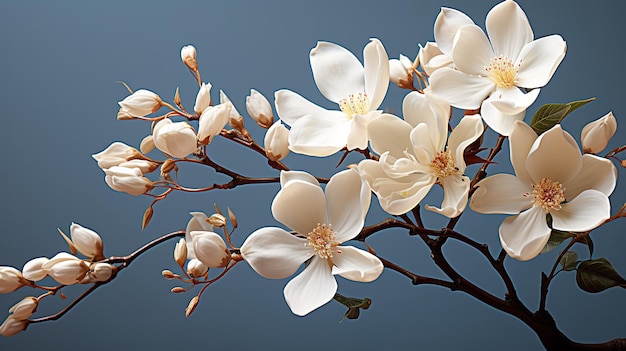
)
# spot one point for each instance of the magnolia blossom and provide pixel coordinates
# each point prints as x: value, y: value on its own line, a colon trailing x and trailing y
x: 416, y: 153
x: 235, y: 120
x: 176, y: 139
x: 180, y: 252
x: 203, y: 98
x: 321, y: 221
x: 210, y: 249
x: 199, y: 222
x: 140, y: 103
x: 490, y: 71
x: 596, y: 135
x: 188, y: 56
x: 86, y: 241
x: 127, y: 180
x: 212, y: 121
x: 12, y: 326
x: 114, y: 154
x: 401, y: 72
x: 11, y: 279
x: 25, y: 308
x: 276, y: 142
x: 196, y: 269
x: 66, y: 269
x: 98, y: 272
x: 551, y: 178
x: 32, y: 269
x: 357, y: 89
x: 259, y: 109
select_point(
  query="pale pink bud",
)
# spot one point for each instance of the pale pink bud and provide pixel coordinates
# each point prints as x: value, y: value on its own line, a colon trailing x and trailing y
x: 142, y: 102
x: 210, y: 249
x: 401, y: 72
x: 12, y: 326
x: 86, y: 241
x: 276, y: 142
x: 177, y: 139
x: 259, y: 109
x: 180, y: 252
x: 32, y: 269
x: 127, y: 180
x: 113, y: 155
x: 10, y: 279
x: 188, y: 55
x: 432, y: 59
x: 203, y: 99
x: 596, y: 135
x: 212, y: 121
x: 25, y: 308
x: 66, y: 269
x: 196, y: 269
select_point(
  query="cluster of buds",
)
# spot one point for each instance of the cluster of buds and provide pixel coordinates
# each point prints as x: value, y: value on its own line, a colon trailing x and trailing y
x: 124, y: 168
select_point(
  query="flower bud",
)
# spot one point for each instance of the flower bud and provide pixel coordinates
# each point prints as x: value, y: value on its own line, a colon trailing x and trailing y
x: 401, y: 72
x: 86, y: 241
x: 124, y: 115
x: 127, y: 180
x: 212, y: 121
x: 10, y: 279
x: 431, y: 58
x: 12, y: 326
x: 32, y: 269
x: 176, y: 139
x: 147, y: 144
x: 25, y: 308
x: 188, y: 55
x: 276, y: 142
x: 196, y: 269
x: 198, y: 222
x: 193, y: 303
x: 596, y: 135
x: 235, y: 120
x: 259, y: 109
x: 217, y: 220
x: 66, y: 269
x: 180, y: 252
x: 167, y: 274
x: 203, y: 99
x: 98, y: 272
x: 210, y: 249
x: 142, y: 102
x: 113, y: 155
x: 144, y: 166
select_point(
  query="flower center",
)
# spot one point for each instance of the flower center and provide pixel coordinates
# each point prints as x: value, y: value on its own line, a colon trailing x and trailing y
x: 355, y: 104
x: 548, y: 194
x: 443, y: 164
x: 322, y: 240
x: 502, y: 71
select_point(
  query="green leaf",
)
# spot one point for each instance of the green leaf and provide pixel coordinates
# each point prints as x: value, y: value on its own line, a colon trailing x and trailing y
x: 587, y: 241
x: 557, y: 237
x: 569, y: 261
x: 354, y: 305
x: 598, y: 275
x: 549, y: 115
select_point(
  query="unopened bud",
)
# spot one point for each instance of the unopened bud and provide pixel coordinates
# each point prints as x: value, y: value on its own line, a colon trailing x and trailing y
x: 196, y: 269
x: 177, y: 100
x: 99, y: 272
x: 623, y: 163
x: 180, y: 252
x: 233, y: 219
x: 168, y: 166
x: 192, y: 306
x: 12, y: 326
x: 10, y: 279
x: 210, y: 249
x: 203, y: 99
x: 114, y: 154
x: 167, y: 274
x: 177, y: 139
x: 431, y: 58
x: 142, y: 102
x: 87, y: 242
x: 259, y: 109
x: 212, y: 121
x: 177, y: 290
x: 596, y: 135
x: 25, y: 308
x: 66, y: 269
x: 124, y: 115
x: 277, y: 142
x: 188, y: 55
x: 147, y: 144
x: 32, y: 269
x: 217, y: 220
x: 401, y: 72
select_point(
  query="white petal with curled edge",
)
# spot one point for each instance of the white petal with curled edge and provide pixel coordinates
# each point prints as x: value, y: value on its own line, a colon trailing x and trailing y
x: 320, y: 135
x: 312, y: 288
x: 455, y: 191
x: 389, y: 133
x: 524, y: 236
x: 596, y: 173
x: 497, y: 120
x: 337, y: 72
x: 287, y: 176
x: 275, y: 253
x: 346, y: 205
x: 459, y: 89
x: 376, y: 75
x: 465, y: 133
x: 471, y: 51
x: 585, y: 212
x: 447, y: 24
x: 300, y: 206
x: 539, y: 60
x: 356, y: 264
x: 521, y: 140
x: 290, y: 106
x: 501, y: 193
x: 508, y: 29
x: 512, y: 100
x: 554, y: 155
x: 198, y: 222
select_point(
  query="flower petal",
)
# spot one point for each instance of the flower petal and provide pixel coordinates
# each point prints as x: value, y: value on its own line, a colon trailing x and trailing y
x: 539, y: 60
x: 389, y: 133
x: 347, y: 201
x: 447, y: 24
x: 465, y: 133
x: 337, y: 72
x: 290, y: 106
x: 455, y: 191
x: 426, y: 108
x: 596, y: 173
x: 521, y: 140
x: 275, y: 253
x: 321, y: 134
x: 376, y: 66
x: 585, y: 212
x: 472, y: 52
x: 497, y: 120
x: 312, y: 288
x: 300, y: 206
x: 459, y: 89
x: 512, y: 100
x: 554, y: 155
x: 287, y: 176
x: 356, y: 264
x: 501, y: 193
x: 524, y: 236
x: 508, y: 29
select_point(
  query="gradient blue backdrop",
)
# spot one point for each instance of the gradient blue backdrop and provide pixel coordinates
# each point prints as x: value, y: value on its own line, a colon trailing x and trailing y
x: 58, y: 70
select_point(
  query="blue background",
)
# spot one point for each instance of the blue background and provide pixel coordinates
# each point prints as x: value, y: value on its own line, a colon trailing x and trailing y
x: 58, y: 71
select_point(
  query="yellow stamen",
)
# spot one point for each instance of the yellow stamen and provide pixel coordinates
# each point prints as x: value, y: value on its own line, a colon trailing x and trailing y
x: 322, y: 240
x: 548, y: 194
x: 355, y: 104
x: 502, y: 71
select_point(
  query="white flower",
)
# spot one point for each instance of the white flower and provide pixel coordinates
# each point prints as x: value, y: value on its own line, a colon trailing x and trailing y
x: 199, y: 222
x: 127, y: 180
x: 11, y: 279
x: 98, y: 272
x: 212, y: 121
x: 32, y: 269
x: 25, y: 308
x: 551, y: 177
x: 180, y: 252
x: 259, y: 109
x: 276, y: 142
x: 114, y: 154
x: 196, y: 269
x: 357, y: 89
x: 401, y: 72
x: 176, y: 139
x: 432, y: 59
x: 140, y: 103
x: 596, y: 135
x: 12, y: 326
x: 210, y: 249
x: 66, y: 269
x: 188, y: 55
x: 321, y: 222
x: 417, y: 154
x: 235, y: 119
x: 86, y: 241
x: 490, y: 71
x: 203, y: 99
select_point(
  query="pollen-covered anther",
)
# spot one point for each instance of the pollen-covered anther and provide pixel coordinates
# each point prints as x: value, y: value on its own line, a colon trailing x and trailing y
x: 548, y: 194
x: 355, y: 104
x: 322, y: 240
x: 502, y: 71
x: 443, y: 164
